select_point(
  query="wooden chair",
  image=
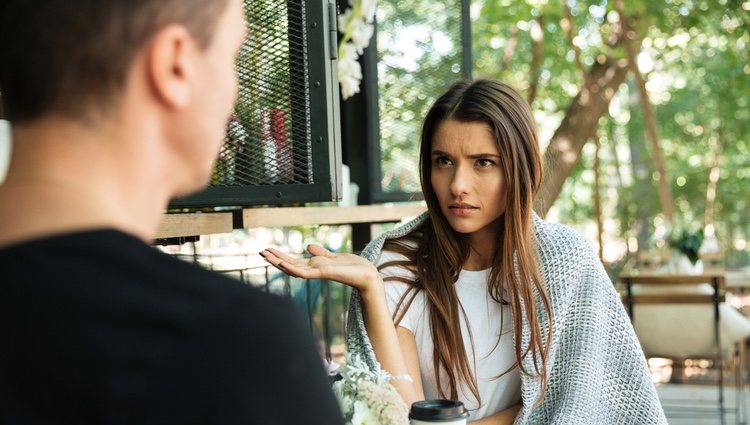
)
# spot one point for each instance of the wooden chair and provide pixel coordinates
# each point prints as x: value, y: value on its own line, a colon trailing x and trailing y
x: 673, y: 294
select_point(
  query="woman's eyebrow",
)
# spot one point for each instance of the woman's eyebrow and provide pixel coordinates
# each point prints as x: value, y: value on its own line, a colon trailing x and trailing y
x: 438, y: 152
x: 483, y: 155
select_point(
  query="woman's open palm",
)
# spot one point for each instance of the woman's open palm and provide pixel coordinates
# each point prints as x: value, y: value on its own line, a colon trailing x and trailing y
x: 348, y: 269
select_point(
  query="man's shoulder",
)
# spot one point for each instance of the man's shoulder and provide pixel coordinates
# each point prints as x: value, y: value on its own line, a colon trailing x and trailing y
x: 129, y: 303
x: 91, y: 274
x: 87, y: 261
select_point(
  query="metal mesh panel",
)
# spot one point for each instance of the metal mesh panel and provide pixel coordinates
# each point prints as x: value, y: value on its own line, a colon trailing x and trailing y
x: 268, y: 138
x: 419, y: 56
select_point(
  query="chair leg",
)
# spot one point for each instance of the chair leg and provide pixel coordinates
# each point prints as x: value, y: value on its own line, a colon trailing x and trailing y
x: 717, y: 339
x: 736, y: 371
x: 678, y: 372
x: 721, y: 396
x: 741, y: 359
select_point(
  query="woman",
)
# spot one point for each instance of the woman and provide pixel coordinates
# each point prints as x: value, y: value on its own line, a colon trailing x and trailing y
x: 493, y: 306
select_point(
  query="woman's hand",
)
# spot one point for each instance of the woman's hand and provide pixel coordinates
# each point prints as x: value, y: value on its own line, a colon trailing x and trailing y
x: 359, y: 273
x: 348, y: 269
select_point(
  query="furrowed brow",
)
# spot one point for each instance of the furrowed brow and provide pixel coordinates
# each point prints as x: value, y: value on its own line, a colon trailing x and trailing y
x: 484, y: 155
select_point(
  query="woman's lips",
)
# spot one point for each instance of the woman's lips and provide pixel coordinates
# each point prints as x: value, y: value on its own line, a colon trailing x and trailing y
x: 462, y: 210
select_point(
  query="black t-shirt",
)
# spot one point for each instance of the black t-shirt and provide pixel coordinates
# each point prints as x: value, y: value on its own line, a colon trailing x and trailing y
x: 99, y: 328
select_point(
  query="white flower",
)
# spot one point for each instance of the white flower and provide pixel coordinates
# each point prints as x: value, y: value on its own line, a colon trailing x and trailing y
x: 344, y: 20
x: 356, y: 25
x: 349, y: 71
x: 361, y: 34
x: 368, y: 8
x: 363, y: 415
x: 345, y: 401
x: 366, y: 397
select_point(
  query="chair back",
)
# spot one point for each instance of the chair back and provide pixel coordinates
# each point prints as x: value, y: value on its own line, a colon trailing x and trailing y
x: 677, y: 316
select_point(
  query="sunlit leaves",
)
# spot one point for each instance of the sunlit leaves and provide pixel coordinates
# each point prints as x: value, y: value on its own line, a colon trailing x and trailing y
x: 694, y: 54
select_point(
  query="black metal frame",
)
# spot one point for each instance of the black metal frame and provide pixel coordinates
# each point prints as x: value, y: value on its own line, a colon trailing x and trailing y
x: 368, y: 163
x: 715, y: 282
x: 325, y: 128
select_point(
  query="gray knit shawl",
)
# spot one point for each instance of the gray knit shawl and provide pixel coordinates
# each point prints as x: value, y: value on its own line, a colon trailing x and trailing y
x: 597, y: 373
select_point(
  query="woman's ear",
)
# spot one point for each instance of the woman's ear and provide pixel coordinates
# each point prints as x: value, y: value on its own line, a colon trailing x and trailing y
x: 170, y: 65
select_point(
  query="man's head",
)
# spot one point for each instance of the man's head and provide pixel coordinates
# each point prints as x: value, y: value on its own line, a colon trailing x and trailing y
x: 158, y: 69
x: 72, y: 59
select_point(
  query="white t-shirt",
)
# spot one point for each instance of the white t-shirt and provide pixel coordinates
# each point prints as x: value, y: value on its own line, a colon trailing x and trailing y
x: 484, y: 317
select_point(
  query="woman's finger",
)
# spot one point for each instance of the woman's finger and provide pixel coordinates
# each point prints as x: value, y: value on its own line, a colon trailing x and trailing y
x: 275, y: 258
x: 288, y: 269
x: 290, y: 266
x: 282, y: 266
x: 278, y: 254
x: 298, y: 271
x: 319, y: 251
x: 275, y: 261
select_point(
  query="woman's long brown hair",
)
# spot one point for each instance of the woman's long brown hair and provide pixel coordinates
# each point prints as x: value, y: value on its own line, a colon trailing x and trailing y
x: 441, y: 252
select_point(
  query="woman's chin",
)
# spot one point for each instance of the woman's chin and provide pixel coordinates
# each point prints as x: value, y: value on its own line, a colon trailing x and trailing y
x: 463, y: 228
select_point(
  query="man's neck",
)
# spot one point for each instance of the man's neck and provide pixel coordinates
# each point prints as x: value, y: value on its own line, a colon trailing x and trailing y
x: 65, y: 179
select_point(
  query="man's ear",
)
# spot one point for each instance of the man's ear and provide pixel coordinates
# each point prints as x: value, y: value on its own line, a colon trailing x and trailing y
x: 170, y: 65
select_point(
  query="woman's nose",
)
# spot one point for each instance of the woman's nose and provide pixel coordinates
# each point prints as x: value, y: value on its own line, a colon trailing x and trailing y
x: 460, y: 182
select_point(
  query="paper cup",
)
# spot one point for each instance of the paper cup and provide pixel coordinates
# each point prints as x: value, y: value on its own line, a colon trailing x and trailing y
x: 444, y: 412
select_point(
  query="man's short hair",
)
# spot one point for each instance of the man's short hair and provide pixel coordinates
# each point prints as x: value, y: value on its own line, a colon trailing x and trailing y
x: 72, y: 58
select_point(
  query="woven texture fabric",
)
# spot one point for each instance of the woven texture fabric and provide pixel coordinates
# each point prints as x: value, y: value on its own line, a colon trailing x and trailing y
x: 597, y: 373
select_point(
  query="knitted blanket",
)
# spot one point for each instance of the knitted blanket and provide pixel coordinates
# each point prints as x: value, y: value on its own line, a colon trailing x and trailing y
x: 597, y: 373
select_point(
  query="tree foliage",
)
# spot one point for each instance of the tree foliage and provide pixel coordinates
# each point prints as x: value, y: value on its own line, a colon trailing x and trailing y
x: 418, y: 57
x: 694, y: 57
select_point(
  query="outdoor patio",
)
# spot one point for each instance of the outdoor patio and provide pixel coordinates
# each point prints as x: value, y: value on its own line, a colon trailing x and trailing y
x: 639, y: 110
x: 696, y: 404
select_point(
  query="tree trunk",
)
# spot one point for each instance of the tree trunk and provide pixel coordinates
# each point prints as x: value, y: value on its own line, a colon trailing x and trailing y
x: 614, y: 143
x: 640, y: 165
x: 665, y: 190
x: 713, y: 182
x: 510, y: 48
x: 567, y: 25
x: 598, y: 197
x: 537, y: 49
x: 580, y: 123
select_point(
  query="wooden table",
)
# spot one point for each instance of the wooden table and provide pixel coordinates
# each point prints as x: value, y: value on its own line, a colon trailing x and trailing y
x: 716, y: 280
x: 737, y: 281
x: 194, y: 224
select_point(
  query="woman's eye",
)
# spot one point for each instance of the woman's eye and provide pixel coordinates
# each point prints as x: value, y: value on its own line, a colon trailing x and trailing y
x: 442, y: 161
x: 484, y: 162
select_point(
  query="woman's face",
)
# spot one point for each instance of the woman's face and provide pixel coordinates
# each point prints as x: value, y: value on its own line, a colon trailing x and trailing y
x: 466, y: 177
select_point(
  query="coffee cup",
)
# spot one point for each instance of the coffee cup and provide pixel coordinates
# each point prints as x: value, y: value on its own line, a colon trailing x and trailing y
x: 443, y: 412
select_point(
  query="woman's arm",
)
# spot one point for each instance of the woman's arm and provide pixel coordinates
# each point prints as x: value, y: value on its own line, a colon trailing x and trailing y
x: 355, y: 271
x: 408, y: 345
x: 505, y: 417
x: 386, y: 343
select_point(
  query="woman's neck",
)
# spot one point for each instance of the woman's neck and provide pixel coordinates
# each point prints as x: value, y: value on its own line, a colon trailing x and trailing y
x: 480, y: 256
x: 482, y: 247
x: 477, y: 261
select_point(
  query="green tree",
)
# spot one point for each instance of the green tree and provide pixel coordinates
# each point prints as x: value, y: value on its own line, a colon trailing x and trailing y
x: 693, y: 57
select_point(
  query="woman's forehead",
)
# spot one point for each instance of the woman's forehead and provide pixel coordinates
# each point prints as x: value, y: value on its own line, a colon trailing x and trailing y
x: 467, y: 138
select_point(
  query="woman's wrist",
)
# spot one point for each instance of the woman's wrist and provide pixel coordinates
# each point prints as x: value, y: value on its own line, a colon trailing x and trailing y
x: 373, y: 290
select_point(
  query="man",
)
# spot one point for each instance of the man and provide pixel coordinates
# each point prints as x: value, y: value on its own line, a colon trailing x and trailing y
x: 116, y: 107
